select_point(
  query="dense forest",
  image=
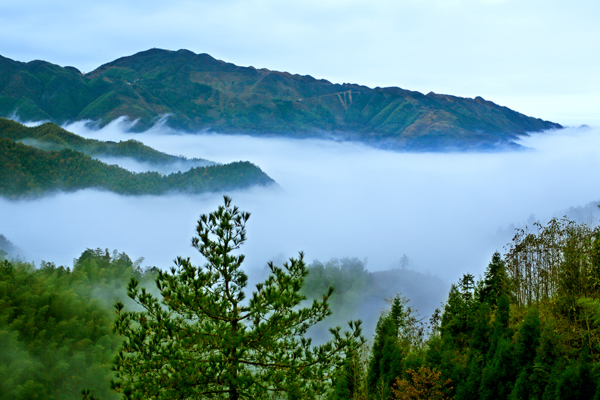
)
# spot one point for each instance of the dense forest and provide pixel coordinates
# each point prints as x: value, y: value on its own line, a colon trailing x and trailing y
x: 57, y: 320
x: 55, y: 325
x: 527, y: 329
x: 27, y: 170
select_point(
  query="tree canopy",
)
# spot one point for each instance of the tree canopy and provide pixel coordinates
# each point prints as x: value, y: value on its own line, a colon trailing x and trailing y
x: 202, y: 339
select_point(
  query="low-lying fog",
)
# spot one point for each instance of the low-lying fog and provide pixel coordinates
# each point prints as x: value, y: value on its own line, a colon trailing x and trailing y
x: 447, y: 211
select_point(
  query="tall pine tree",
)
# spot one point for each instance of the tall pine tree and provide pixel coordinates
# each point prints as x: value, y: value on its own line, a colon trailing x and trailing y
x: 201, y: 339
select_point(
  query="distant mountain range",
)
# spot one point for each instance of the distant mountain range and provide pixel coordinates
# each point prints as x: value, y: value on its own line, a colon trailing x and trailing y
x: 198, y: 92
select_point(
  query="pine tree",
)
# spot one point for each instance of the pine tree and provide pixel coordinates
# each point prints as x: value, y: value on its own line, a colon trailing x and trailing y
x: 594, y: 273
x: 386, y: 357
x: 203, y: 340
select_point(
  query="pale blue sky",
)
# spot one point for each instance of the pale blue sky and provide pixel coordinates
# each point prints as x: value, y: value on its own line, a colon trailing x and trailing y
x: 539, y: 57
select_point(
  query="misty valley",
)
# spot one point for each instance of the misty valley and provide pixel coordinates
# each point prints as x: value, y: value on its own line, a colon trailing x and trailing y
x: 475, y: 275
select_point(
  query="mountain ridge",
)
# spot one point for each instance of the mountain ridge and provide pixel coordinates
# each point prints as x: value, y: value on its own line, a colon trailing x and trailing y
x: 62, y: 161
x: 199, y: 92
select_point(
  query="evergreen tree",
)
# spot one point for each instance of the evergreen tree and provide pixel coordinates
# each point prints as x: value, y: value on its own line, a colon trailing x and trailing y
x: 577, y: 382
x: 456, y: 330
x: 498, y: 376
x: 544, y: 364
x: 495, y: 281
x: 478, y: 349
x: 203, y: 340
x: 594, y: 274
x: 387, y: 353
x: 453, y: 325
x: 349, y: 381
x: 528, y: 339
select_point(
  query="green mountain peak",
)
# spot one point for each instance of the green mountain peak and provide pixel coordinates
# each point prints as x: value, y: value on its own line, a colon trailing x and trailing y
x: 199, y: 92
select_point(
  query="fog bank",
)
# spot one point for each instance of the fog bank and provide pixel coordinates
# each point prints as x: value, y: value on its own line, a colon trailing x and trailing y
x: 448, y: 212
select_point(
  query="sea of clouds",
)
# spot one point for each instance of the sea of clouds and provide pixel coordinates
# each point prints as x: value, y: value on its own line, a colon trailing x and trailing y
x: 448, y: 212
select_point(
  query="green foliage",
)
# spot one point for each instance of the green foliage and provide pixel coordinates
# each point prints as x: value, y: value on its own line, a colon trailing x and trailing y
x: 6, y: 247
x: 498, y: 375
x: 529, y: 328
x: 386, y: 358
x: 359, y: 291
x: 355, y: 290
x: 49, y: 136
x: 577, y: 382
x: 203, y: 339
x: 26, y: 171
x: 398, y: 332
x: 55, y: 327
x: 558, y: 258
x: 350, y: 380
x: 495, y: 281
x: 196, y: 335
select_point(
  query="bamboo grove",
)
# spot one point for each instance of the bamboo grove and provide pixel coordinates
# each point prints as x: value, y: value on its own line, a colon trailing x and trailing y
x: 559, y: 261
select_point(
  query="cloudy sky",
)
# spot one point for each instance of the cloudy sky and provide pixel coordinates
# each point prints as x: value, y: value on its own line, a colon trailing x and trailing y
x: 539, y: 57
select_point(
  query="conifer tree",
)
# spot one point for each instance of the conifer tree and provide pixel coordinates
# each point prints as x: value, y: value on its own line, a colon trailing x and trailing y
x: 577, y: 382
x: 594, y: 274
x: 528, y: 340
x: 350, y: 381
x: 498, y: 376
x: 478, y: 349
x: 389, y: 348
x: 495, y: 281
x: 201, y: 339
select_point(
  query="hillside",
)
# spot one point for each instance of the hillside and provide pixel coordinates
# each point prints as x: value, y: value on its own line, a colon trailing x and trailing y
x: 31, y: 171
x: 49, y: 136
x: 199, y: 92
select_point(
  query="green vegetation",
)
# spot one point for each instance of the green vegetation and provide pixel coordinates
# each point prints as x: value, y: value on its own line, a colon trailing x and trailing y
x: 50, y: 136
x: 6, y: 247
x: 360, y: 294
x: 199, y: 92
x: 529, y: 328
x: 55, y: 325
x: 29, y: 171
x: 200, y: 339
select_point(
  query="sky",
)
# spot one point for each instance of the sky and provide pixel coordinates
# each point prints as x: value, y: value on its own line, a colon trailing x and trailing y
x: 539, y: 57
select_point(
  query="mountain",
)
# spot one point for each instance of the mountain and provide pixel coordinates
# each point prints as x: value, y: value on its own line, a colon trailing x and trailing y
x: 49, y: 136
x: 198, y: 92
x: 27, y: 171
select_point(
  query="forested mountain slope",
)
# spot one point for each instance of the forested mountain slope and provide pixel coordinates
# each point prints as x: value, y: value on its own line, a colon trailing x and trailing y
x: 31, y: 171
x: 49, y: 136
x: 529, y: 328
x: 199, y: 92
